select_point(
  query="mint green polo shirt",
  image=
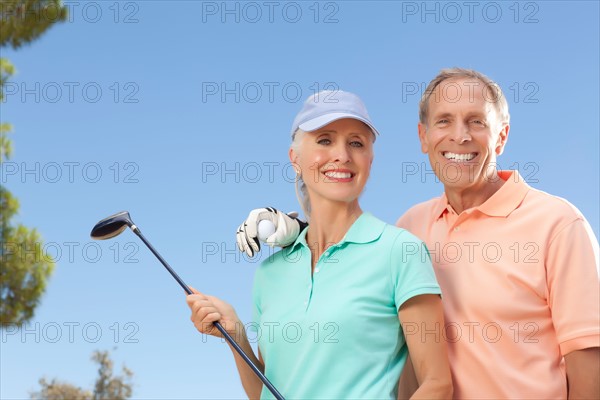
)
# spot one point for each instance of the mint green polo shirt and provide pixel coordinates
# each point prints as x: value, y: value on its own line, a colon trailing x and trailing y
x: 335, y: 334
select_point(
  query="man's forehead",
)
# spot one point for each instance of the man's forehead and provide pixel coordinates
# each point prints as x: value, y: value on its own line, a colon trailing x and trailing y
x: 462, y: 92
x: 453, y: 89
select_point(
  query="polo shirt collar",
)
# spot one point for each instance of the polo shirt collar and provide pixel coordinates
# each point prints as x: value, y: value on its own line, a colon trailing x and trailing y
x: 365, y: 229
x: 441, y: 206
x: 502, y: 203
x: 300, y: 241
x: 508, y: 198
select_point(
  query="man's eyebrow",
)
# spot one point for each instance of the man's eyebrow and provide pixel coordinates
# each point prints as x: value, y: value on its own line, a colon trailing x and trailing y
x: 478, y: 114
x: 441, y: 115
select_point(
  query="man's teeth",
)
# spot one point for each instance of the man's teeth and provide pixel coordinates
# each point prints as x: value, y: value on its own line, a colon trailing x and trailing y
x: 459, y: 157
x: 338, y: 175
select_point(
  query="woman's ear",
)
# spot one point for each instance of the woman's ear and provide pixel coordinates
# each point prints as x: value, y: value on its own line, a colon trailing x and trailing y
x: 293, y: 155
x: 294, y: 161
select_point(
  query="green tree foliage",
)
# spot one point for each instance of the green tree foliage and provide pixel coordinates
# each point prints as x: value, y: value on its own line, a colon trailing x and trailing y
x: 23, y: 268
x: 23, y: 21
x: 6, y: 71
x: 56, y: 390
x: 107, y: 386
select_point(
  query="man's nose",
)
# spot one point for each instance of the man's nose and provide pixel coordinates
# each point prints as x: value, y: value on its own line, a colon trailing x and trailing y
x: 460, y: 133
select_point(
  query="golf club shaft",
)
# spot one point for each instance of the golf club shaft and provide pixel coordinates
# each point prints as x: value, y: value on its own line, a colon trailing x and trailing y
x: 226, y: 335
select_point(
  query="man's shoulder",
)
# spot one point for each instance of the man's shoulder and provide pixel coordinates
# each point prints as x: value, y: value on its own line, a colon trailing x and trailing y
x: 419, y: 212
x: 426, y: 206
x: 552, y: 205
x: 396, y: 235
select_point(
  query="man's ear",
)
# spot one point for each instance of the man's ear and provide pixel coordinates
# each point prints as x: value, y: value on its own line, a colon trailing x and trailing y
x: 423, y: 138
x: 502, y: 139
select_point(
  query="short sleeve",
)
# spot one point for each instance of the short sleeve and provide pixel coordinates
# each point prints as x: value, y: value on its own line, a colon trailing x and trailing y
x: 411, y: 270
x: 573, y: 287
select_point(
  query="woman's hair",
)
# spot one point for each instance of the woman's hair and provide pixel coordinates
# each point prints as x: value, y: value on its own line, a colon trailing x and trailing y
x: 301, y: 191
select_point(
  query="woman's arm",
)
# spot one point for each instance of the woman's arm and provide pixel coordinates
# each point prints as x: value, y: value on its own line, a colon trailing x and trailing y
x: 583, y: 368
x: 209, y: 309
x: 427, y: 347
x: 408, y: 384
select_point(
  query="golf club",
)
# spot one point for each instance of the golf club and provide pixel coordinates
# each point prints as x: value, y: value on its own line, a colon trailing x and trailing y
x: 115, y: 224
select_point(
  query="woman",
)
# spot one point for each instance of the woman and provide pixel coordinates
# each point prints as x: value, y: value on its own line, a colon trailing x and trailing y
x: 338, y: 310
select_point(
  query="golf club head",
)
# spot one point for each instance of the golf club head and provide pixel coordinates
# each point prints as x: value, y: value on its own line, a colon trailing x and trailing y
x: 111, y: 226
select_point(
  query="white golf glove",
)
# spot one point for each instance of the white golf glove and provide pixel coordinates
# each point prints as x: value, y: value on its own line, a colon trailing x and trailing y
x: 287, y: 229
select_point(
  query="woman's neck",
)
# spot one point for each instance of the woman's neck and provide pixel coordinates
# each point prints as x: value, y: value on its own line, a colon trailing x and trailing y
x: 328, y: 225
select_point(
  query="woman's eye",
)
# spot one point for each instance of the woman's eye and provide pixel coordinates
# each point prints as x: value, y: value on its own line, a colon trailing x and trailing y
x: 356, y: 144
x: 324, y: 141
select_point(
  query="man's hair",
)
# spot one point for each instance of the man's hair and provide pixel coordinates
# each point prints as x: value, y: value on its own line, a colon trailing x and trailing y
x: 492, y: 92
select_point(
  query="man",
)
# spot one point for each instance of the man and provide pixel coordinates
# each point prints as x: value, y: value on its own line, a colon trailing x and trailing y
x: 518, y: 267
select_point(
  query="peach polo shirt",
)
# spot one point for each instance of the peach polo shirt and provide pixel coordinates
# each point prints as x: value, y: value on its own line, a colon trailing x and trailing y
x: 519, y: 277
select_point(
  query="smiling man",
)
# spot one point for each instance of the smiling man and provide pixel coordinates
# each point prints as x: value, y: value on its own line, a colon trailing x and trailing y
x: 463, y: 127
x: 518, y: 267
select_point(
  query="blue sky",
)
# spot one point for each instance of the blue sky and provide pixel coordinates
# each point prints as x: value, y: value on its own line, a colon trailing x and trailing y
x: 180, y: 113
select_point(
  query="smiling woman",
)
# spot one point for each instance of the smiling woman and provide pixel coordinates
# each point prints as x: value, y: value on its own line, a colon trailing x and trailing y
x: 341, y: 152
x: 330, y: 308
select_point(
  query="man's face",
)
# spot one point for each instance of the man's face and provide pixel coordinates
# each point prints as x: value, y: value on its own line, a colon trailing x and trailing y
x: 463, y: 134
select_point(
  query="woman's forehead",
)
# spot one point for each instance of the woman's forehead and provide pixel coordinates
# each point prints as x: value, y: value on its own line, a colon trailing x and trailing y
x: 345, y: 127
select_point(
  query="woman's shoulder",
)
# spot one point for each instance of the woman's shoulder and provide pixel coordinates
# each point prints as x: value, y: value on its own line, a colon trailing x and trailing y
x: 394, y: 235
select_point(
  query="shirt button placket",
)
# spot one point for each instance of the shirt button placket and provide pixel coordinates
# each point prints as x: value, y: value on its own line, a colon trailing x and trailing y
x: 308, y: 292
x: 309, y: 287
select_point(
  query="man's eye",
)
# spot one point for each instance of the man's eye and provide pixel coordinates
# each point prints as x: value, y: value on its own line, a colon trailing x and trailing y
x: 442, y: 121
x: 477, y: 122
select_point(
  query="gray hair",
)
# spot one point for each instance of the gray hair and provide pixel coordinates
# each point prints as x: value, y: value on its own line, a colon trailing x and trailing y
x: 301, y: 190
x: 490, y: 86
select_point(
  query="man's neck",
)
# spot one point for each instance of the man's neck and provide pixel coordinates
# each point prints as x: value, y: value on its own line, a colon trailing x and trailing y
x: 463, y: 199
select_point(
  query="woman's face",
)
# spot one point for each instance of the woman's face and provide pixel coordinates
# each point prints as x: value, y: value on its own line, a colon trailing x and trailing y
x: 335, y: 160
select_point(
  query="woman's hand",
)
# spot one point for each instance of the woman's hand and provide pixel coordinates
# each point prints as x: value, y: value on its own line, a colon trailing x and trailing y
x: 208, y: 309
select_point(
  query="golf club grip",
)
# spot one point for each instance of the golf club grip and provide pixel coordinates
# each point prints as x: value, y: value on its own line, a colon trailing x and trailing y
x: 228, y: 337
x: 257, y: 371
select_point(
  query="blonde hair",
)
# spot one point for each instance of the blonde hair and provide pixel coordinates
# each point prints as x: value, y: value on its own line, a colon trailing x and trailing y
x: 498, y: 97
